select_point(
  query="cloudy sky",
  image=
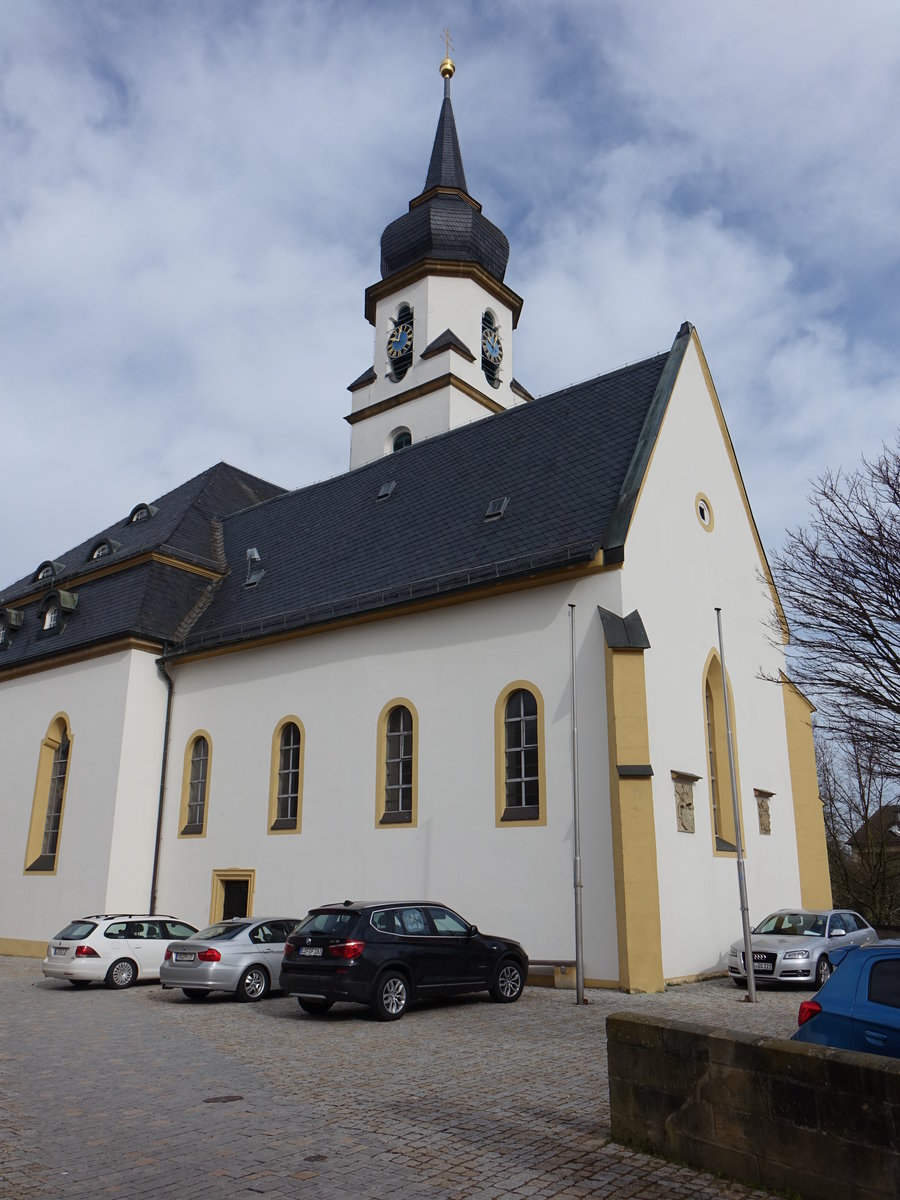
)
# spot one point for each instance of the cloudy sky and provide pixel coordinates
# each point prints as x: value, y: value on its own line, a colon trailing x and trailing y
x: 193, y: 193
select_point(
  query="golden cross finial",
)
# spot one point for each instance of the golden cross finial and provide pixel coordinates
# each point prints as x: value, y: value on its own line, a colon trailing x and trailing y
x: 447, y: 67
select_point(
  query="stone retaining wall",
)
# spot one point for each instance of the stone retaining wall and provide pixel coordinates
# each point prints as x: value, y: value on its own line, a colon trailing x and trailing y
x: 814, y: 1122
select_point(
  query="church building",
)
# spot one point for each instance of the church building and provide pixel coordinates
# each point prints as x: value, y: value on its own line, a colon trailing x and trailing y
x: 241, y: 699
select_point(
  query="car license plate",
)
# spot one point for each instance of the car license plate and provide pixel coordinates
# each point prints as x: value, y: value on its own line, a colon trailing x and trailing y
x: 60, y: 950
x: 762, y: 968
x: 311, y: 951
x: 185, y: 957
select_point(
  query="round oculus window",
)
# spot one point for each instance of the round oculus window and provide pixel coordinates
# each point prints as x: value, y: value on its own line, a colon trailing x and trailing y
x: 703, y: 509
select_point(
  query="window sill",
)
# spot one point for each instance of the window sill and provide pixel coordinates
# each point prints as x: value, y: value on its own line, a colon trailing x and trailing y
x: 45, y: 862
x: 396, y: 818
x: 522, y: 812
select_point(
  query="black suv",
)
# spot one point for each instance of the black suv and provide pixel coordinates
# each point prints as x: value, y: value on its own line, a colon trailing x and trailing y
x: 388, y: 954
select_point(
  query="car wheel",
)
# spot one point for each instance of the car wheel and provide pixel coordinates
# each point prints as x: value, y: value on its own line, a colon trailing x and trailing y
x: 253, y: 985
x: 509, y: 982
x: 391, y: 996
x: 314, y: 1006
x: 80, y: 983
x: 196, y: 993
x: 823, y: 971
x: 121, y: 974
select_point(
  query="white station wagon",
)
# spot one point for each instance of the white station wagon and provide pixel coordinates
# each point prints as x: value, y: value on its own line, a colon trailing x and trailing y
x: 112, y: 948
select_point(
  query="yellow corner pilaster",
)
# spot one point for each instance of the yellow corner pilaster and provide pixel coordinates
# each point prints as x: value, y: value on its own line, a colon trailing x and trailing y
x: 633, y: 825
x: 809, y: 820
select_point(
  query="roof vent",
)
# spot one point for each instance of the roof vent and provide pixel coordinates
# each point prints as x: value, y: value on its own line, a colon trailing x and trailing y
x: 496, y: 508
x: 386, y: 489
x: 254, y: 572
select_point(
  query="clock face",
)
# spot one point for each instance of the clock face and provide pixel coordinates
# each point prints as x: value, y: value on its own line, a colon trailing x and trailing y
x: 400, y: 340
x: 491, y: 346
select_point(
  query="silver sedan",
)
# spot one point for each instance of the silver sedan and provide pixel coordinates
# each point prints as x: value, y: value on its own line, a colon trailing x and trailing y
x: 242, y: 955
x: 793, y: 944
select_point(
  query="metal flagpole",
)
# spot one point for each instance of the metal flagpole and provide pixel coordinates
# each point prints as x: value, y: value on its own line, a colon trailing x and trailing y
x: 579, y: 955
x: 742, y: 882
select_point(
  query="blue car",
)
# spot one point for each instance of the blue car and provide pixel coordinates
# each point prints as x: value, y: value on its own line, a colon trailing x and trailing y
x: 859, y: 1006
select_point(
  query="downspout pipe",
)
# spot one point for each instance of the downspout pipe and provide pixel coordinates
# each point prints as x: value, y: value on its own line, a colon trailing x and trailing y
x: 170, y: 693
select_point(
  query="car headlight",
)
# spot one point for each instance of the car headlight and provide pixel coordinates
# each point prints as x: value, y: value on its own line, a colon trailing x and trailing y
x: 733, y: 952
x: 796, y: 954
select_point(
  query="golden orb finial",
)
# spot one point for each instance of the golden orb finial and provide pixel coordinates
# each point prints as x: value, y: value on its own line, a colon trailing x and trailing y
x: 447, y: 66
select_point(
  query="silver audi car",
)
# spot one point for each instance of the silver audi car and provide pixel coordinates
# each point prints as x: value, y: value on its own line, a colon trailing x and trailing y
x: 793, y: 944
x: 242, y: 955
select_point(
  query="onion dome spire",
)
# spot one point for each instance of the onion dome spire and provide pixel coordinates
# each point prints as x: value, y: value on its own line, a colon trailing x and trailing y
x: 444, y: 223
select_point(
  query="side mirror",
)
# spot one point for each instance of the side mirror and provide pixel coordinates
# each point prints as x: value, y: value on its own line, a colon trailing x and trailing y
x: 839, y: 933
x: 473, y: 930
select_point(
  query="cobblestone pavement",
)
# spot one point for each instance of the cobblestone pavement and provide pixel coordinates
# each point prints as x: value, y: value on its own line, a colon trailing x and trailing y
x: 141, y: 1093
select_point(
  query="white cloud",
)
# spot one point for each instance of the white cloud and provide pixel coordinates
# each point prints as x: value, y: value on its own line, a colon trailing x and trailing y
x: 194, y: 195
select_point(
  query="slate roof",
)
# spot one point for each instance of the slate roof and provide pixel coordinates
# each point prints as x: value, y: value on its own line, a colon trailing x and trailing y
x: 569, y: 465
x: 124, y: 594
x: 444, y: 223
x: 566, y: 462
x: 445, y: 168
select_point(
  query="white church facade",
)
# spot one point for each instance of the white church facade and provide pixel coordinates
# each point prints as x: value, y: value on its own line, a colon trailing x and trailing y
x: 239, y: 698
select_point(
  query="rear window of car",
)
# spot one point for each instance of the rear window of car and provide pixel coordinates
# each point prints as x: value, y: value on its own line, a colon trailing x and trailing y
x: 219, y: 933
x: 327, y: 922
x: 77, y: 929
x: 884, y: 982
x: 177, y: 929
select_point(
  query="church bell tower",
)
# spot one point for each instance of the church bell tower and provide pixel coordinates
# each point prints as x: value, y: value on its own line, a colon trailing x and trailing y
x: 442, y: 314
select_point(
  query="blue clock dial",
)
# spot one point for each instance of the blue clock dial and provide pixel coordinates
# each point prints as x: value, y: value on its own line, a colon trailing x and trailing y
x: 491, y: 346
x: 400, y: 340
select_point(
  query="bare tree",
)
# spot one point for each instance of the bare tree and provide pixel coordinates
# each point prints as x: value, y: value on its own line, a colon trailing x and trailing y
x: 839, y: 582
x: 861, y: 806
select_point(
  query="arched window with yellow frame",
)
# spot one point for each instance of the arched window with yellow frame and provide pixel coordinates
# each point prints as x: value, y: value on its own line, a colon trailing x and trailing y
x: 45, y: 829
x: 519, y: 771
x: 286, y: 776
x: 195, y: 785
x: 397, y: 792
x: 721, y: 803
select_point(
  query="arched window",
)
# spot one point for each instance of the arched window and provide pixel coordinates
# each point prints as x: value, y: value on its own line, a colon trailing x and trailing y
x: 49, y: 798
x: 401, y: 440
x: 397, y: 738
x: 519, y: 721
x: 195, y: 784
x: 286, y: 786
x: 720, y: 797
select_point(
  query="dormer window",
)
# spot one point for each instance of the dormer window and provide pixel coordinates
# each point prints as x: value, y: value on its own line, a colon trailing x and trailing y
x: 47, y: 570
x: 103, y: 548
x: 58, y: 607
x: 10, y: 619
x: 400, y: 342
x: 141, y: 512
